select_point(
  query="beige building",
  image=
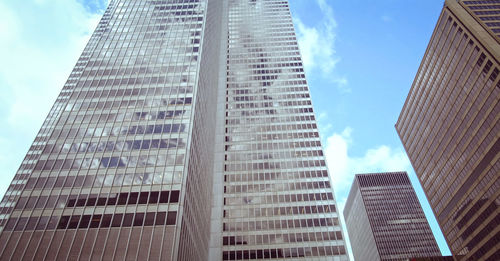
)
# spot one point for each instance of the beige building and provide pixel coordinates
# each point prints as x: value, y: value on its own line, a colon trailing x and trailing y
x: 450, y: 127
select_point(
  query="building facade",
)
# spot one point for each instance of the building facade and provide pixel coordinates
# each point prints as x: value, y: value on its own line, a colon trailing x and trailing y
x: 385, y: 221
x: 184, y: 132
x: 450, y: 127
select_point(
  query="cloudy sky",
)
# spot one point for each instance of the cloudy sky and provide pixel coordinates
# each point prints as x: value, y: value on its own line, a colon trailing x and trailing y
x: 360, y: 55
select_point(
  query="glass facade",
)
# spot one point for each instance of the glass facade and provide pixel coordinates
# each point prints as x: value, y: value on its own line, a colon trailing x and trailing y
x: 107, y: 175
x: 278, y: 200
x: 385, y: 220
x: 175, y: 107
x: 450, y: 128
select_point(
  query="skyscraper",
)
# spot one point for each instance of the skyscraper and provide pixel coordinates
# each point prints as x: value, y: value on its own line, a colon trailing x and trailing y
x: 450, y: 127
x: 184, y: 132
x: 385, y: 220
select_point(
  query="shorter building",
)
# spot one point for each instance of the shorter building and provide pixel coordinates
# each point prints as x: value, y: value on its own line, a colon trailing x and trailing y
x: 432, y: 258
x: 385, y: 221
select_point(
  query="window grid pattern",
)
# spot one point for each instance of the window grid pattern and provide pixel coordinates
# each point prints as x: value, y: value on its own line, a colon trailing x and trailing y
x: 117, y: 132
x: 396, y: 219
x: 275, y: 176
x: 450, y: 132
x: 487, y: 12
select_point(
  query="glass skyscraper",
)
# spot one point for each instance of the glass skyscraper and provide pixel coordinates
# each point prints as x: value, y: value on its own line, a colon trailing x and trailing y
x: 450, y: 127
x: 184, y: 132
x: 385, y: 221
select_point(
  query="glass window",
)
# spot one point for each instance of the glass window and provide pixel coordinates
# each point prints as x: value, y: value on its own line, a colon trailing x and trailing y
x: 117, y: 220
x: 10, y: 224
x: 150, y: 219
x: 61, y: 201
x: 164, y: 197
x: 160, y: 218
x: 108, y: 180
x: 99, y: 179
x: 92, y: 200
x: 174, y: 196
x: 96, y: 219
x: 21, y: 202
x: 158, y: 128
x: 106, y: 220
x: 127, y: 180
x: 145, y: 144
x: 41, y: 202
x: 51, y: 202
x: 69, y: 181
x: 139, y: 219
x: 39, y: 165
x: 133, y: 198
x: 52, y: 222
x: 122, y: 199
x: 73, y: 222
x: 153, y: 198
x: 84, y: 223
x: 127, y: 221
x: 112, y: 199
x: 79, y: 181
x: 40, y: 182
x: 171, y: 217
x: 155, y: 144
x: 71, y: 201
x: 118, y: 178
x: 31, y: 183
x: 113, y: 163
x: 88, y: 181
x: 101, y: 201
x: 157, y: 178
x: 82, y: 199
x: 63, y: 222
x: 143, y: 199
x: 42, y: 223
x: 31, y: 203
x: 31, y: 223
x: 50, y: 182
x: 21, y: 223
x: 59, y: 182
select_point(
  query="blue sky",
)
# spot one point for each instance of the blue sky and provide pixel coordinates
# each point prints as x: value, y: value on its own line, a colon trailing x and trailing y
x: 360, y: 56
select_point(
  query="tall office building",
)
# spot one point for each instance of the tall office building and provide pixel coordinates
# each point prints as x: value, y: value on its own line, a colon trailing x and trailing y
x: 184, y: 132
x: 385, y: 221
x: 450, y: 127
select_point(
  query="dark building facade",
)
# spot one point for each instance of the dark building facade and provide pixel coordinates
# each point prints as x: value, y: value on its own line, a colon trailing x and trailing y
x: 184, y: 132
x: 385, y: 221
x: 434, y: 258
x: 450, y: 127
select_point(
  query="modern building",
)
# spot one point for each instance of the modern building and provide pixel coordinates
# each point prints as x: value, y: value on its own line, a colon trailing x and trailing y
x: 385, y: 221
x: 450, y: 128
x: 434, y: 258
x: 184, y: 132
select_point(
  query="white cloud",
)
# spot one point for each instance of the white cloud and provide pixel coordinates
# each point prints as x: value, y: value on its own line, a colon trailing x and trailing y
x: 40, y: 43
x: 342, y: 84
x: 343, y: 167
x: 317, y: 43
x: 317, y: 46
x: 323, y: 123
